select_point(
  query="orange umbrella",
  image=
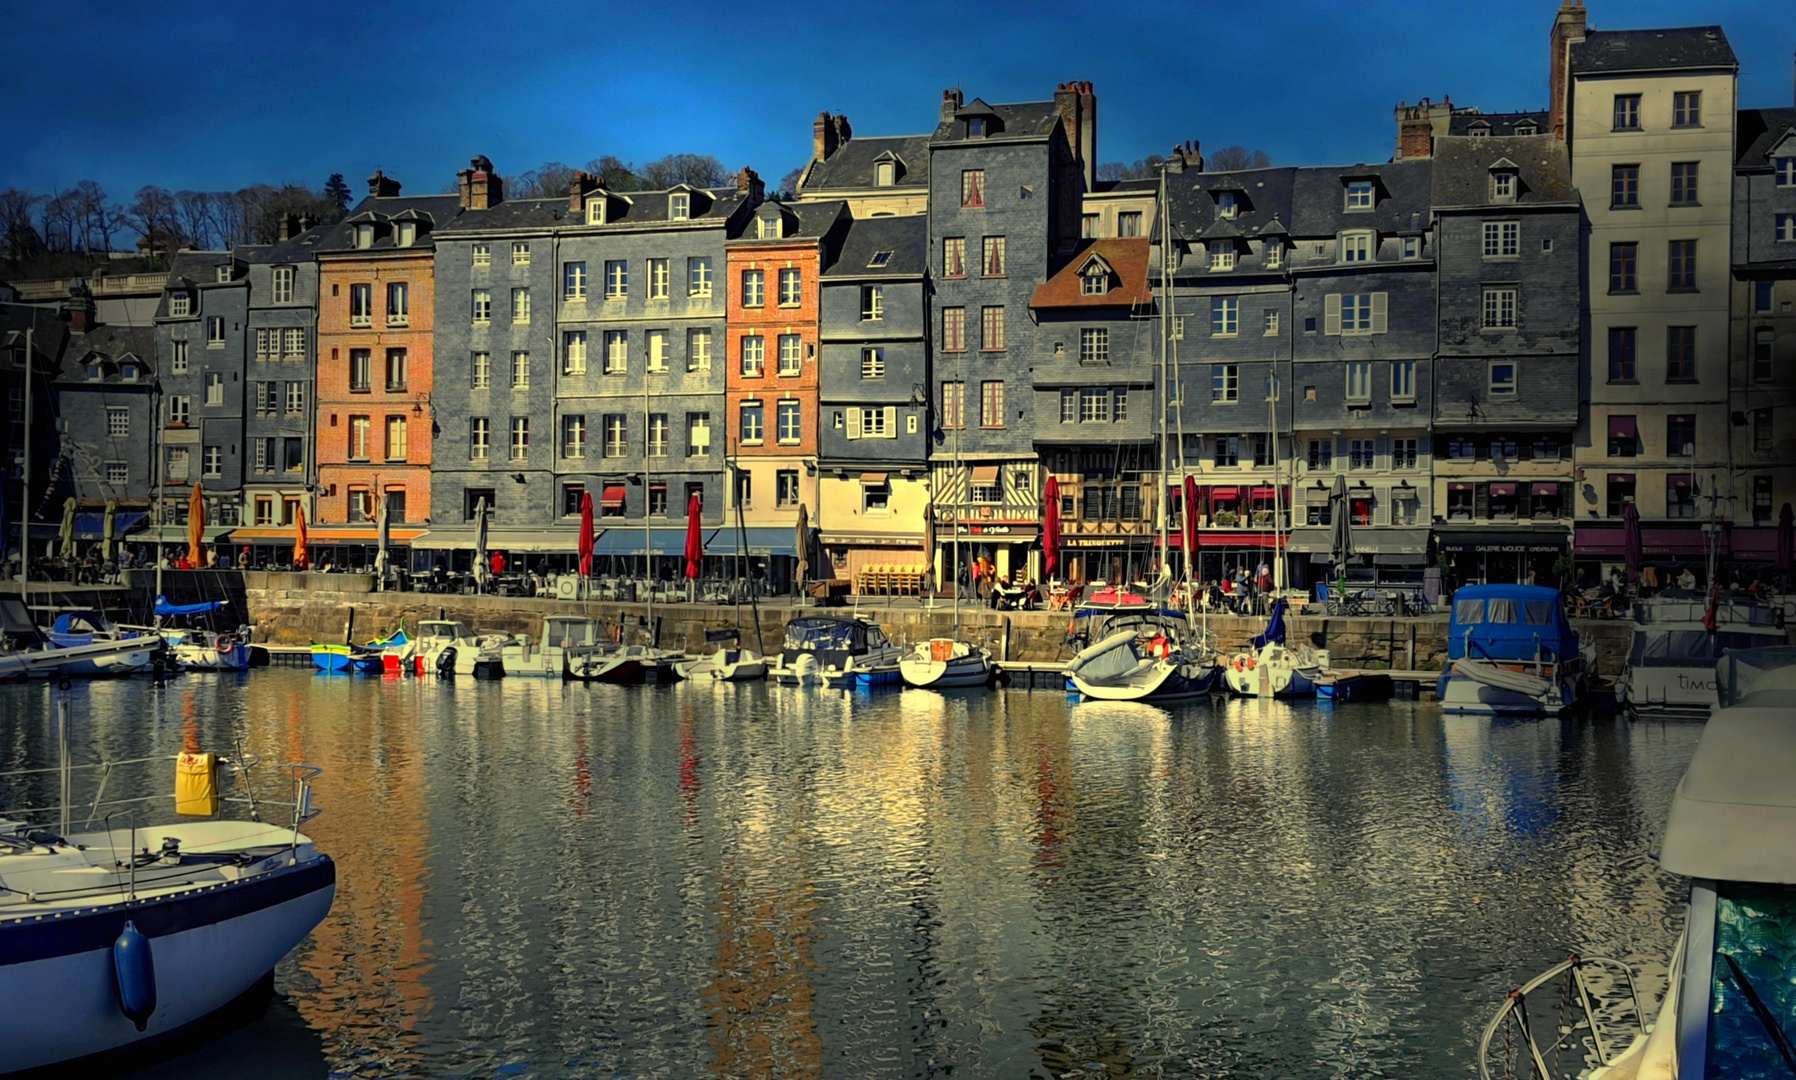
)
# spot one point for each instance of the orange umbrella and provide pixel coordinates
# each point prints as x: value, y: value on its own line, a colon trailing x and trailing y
x: 301, y: 560
x: 196, y: 527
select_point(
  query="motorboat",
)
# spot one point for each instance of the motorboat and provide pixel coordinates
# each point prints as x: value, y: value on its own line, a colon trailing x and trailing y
x: 726, y: 663
x: 117, y: 936
x: 561, y: 633
x: 209, y: 650
x: 372, y: 657
x: 1341, y: 687
x: 944, y: 663
x: 1671, y: 662
x: 1511, y: 651
x: 446, y: 647
x: 622, y: 665
x: 841, y: 647
x: 26, y: 652
x: 1142, y: 653
x: 865, y: 673
x: 1732, y: 980
x: 1270, y: 668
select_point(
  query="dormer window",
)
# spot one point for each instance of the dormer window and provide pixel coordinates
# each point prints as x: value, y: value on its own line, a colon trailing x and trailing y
x: 95, y: 373
x: 767, y: 227
x: 1274, y: 253
x: 1094, y: 280
x: 1783, y: 171
x: 128, y: 372
x: 224, y: 272
x: 976, y: 127
x: 180, y: 304
x: 1226, y: 204
x: 1222, y: 256
x: 1359, y: 194
x: 405, y: 233
x: 1502, y: 186
x: 1356, y: 247
x: 885, y: 174
x: 1478, y: 131
x: 679, y: 206
x: 364, y: 236
x: 595, y: 210
x: 1526, y: 129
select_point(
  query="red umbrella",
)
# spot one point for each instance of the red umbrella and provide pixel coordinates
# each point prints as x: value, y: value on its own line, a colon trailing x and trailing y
x: 586, y: 535
x: 695, y: 543
x: 1190, y: 528
x: 1050, y: 527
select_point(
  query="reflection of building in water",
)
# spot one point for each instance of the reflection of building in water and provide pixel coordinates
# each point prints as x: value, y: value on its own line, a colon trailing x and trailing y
x: 360, y: 978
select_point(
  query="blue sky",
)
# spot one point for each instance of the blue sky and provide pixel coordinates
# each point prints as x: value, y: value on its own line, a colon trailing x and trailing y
x: 217, y: 96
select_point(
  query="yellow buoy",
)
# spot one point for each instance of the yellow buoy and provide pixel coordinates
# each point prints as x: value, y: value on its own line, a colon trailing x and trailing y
x: 196, y: 785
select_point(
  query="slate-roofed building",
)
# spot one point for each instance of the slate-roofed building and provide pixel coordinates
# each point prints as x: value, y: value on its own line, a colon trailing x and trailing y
x: 874, y: 397
x: 106, y: 399
x: 639, y: 387
x: 883, y: 176
x: 1007, y: 186
x: 202, y: 349
x: 1762, y: 382
x: 279, y: 422
x: 48, y: 338
x: 1506, y: 378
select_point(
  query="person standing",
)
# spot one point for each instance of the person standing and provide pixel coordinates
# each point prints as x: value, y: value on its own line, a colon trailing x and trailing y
x: 498, y: 563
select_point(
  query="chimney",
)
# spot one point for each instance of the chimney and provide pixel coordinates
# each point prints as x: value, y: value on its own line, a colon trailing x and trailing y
x: 290, y: 226
x: 1415, y: 134
x: 1077, y: 107
x: 78, y: 309
x: 1185, y: 157
x: 823, y: 137
x: 950, y: 105
x: 1568, y: 26
x: 577, y: 190
x: 748, y: 184
x: 479, y: 186
x: 382, y: 185
x: 843, y: 131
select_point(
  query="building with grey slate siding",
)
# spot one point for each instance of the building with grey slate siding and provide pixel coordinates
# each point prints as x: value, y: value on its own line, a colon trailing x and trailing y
x: 282, y: 373
x: 202, y: 352
x: 883, y: 176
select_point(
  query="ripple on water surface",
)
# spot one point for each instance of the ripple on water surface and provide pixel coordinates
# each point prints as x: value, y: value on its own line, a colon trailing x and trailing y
x: 750, y: 881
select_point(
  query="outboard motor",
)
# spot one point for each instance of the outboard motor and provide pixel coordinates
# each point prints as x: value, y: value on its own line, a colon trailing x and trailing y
x: 446, y: 662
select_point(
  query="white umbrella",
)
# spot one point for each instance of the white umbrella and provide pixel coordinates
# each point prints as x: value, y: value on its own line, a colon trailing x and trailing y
x: 480, y: 540
x: 380, y: 555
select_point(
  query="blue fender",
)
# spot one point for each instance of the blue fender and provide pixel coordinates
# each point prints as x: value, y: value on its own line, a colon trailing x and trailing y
x: 136, y: 971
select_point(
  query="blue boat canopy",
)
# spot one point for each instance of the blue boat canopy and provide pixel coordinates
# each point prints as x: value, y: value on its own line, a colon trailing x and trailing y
x: 1274, y: 634
x: 1509, y: 622
x: 164, y: 609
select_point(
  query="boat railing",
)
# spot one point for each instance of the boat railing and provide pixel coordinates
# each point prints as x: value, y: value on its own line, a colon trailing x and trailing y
x: 66, y: 810
x: 1590, y: 1010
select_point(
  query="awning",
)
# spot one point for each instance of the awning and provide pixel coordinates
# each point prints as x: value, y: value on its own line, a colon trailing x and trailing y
x: 171, y: 534
x: 1228, y: 493
x: 1545, y: 489
x: 1543, y: 541
x: 872, y: 479
x: 1754, y: 544
x: 613, y: 495
x: 892, y: 540
x: 514, y: 541
x: 368, y: 535
x: 1400, y: 559
x: 985, y: 475
x: 759, y: 541
x: 1687, y: 541
x: 632, y: 541
x: 1503, y: 489
x: 1622, y: 427
x: 1457, y: 486
x: 1369, y: 540
x: 1310, y: 540
x: 93, y: 526
x: 1599, y: 540
x: 1238, y: 538
x: 1623, y: 477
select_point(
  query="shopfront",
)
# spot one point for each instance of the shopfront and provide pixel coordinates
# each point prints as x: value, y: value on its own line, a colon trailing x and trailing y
x: 1494, y: 555
x: 1014, y: 549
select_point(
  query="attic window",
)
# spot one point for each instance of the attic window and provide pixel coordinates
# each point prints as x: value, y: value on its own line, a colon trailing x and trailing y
x: 976, y: 127
x: 885, y: 174
x: 364, y: 236
x: 1359, y: 194
x: 1502, y: 186
x: 1478, y: 131
x: 224, y: 272
x: 880, y: 258
x: 1226, y: 204
x: 595, y: 210
x: 180, y: 304
x: 679, y: 206
x: 94, y: 372
x: 1274, y: 253
x: 128, y: 372
x: 767, y: 227
x: 1526, y: 129
x: 405, y: 234
x: 1093, y: 281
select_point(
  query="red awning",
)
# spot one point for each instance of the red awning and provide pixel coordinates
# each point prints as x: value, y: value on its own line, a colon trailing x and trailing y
x: 613, y: 496
x: 1757, y: 545
x: 1622, y: 477
x: 1622, y: 427
x: 1238, y: 538
x: 1459, y: 487
x: 1686, y: 541
x: 1229, y: 493
x: 1546, y: 489
x: 1598, y: 540
x: 1503, y: 489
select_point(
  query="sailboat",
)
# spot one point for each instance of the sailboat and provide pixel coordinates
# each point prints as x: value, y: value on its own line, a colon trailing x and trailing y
x: 726, y: 663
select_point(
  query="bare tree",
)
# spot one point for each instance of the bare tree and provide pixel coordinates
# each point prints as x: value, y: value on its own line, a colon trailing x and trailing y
x: 1141, y: 169
x: 699, y: 170
x: 615, y: 173
x: 547, y: 181
x: 152, y: 216
x: 789, y: 182
x: 1236, y: 158
x: 19, y: 239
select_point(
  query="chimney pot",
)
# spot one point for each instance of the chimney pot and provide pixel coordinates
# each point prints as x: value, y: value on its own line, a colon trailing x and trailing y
x: 950, y: 104
x: 382, y: 185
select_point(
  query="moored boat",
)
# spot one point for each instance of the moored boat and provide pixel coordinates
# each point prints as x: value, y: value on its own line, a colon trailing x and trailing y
x: 944, y: 663
x: 446, y: 647
x: 724, y: 664
x: 561, y: 633
x: 621, y: 665
x: 1511, y: 651
x: 1670, y: 669
x: 207, y: 650
x: 1144, y: 653
x: 1270, y: 668
x: 820, y: 647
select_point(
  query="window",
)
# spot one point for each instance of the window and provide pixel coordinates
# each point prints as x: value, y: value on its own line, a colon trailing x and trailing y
x: 617, y: 279
x: 1356, y: 247
x: 954, y: 405
x: 520, y: 253
x: 698, y: 276
x: 1502, y: 378
x: 1624, y: 437
x: 745, y: 489
x: 1623, y: 267
x: 399, y: 303
x: 1683, y: 183
x: 1627, y: 112
x: 480, y: 437
x: 1403, y: 453
x: 873, y: 363
x: 573, y: 352
x: 180, y: 304
x: 264, y: 512
x: 1412, y: 247
x: 791, y: 351
x: 873, y: 303
x: 480, y: 371
x: 791, y: 287
x: 991, y: 256
x: 1228, y: 451
x: 520, y: 305
x: 1094, y: 406
x: 118, y: 423
x: 405, y: 234
x: 754, y: 288
x: 679, y: 206
x: 1502, y: 186
x: 1322, y: 455
x: 1763, y: 346
x: 1225, y: 315
x: 1761, y: 297
x: 698, y: 434
x: 595, y: 210
x: 1761, y: 500
x: 1761, y: 431
x: 991, y: 329
x: 1359, y: 381
x: 361, y: 438
x: 283, y: 284
x: 1274, y: 252
x: 520, y: 438
x: 1359, y: 194
x: 754, y: 429
x: 617, y: 352
x: 293, y: 343
x: 179, y: 409
x: 482, y: 307
x: 1088, y: 226
x: 396, y: 370
x: 296, y: 399
x: 972, y: 188
x: 991, y: 404
x: 1355, y: 313
x: 1093, y: 281
x: 1360, y: 454
x: 1680, y: 435
x: 1682, y: 261
x: 790, y: 427
x: 1271, y: 324
x: 1128, y: 223
x: 987, y: 488
x: 954, y: 256
x: 483, y: 254
x: 1624, y: 185
x: 520, y: 371
x: 1499, y: 307
x: 361, y: 505
x: 954, y: 329
x: 1686, y: 108
x: 1784, y: 172
x: 754, y: 355
x: 1227, y: 205
x: 1119, y: 404
x: 364, y: 236
x: 1502, y: 239
x: 698, y: 350
x: 1094, y: 345
x: 1679, y: 502
x: 573, y: 281
x: 1225, y: 383
x: 573, y: 497
x: 573, y: 436
x: 660, y: 434
x: 1785, y: 229
x: 177, y: 467
x: 1622, y: 353
x: 1222, y: 255
x: 657, y: 351
x: 178, y: 363
x: 215, y: 388
x: 1680, y: 354
x: 1069, y: 406
x: 472, y: 498
x: 770, y: 226
x: 1403, y: 380
x: 215, y: 332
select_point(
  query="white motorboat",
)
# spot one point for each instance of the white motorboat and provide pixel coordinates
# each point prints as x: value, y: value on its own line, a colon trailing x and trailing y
x: 622, y: 665
x: 944, y: 663
x: 1671, y: 663
x: 445, y: 647
x: 561, y: 633
x: 207, y: 650
x: 113, y: 937
x: 725, y: 664
x: 1732, y: 979
x: 847, y: 650
x: 1146, y: 654
x: 1511, y: 651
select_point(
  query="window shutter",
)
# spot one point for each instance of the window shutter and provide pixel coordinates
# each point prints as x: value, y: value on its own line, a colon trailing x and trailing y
x: 1379, y: 304
x: 1384, y: 452
x: 891, y: 417
x: 854, y: 422
x: 1331, y: 314
x: 1381, y: 508
x: 1481, y: 501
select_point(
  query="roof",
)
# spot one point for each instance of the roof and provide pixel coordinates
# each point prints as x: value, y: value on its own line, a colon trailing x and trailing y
x: 1606, y: 52
x: 649, y: 208
x: 511, y: 214
x: 1461, y: 123
x: 1401, y: 205
x: 1022, y: 120
x: 906, y: 239
x: 438, y: 209
x: 1125, y: 258
x: 113, y: 343
x: 814, y: 220
x: 194, y: 270
x: 851, y: 166
x: 1462, y: 168
x: 294, y: 249
x: 1758, y: 132
x: 48, y: 332
x: 1263, y: 197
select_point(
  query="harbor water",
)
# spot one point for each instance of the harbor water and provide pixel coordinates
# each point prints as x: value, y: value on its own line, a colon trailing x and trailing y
x: 548, y: 880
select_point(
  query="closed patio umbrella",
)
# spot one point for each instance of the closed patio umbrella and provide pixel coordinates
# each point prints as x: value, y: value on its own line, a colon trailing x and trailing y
x: 1630, y: 541
x: 1050, y: 527
x: 1786, y: 545
x: 386, y: 537
x: 585, y: 537
x: 929, y: 546
x: 68, y: 528
x: 1340, y: 526
x: 480, y: 540
x: 695, y: 540
x: 196, y: 527
x: 1189, y: 528
x: 109, y: 532
x: 302, y: 558
x: 801, y: 543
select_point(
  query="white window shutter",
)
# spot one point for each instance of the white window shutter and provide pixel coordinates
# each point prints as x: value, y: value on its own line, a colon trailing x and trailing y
x: 1381, y: 509
x: 1384, y: 452
x: 1331, y: 314
x: 854, y: 422
x: 891, y: 418
x: 1380, y: 321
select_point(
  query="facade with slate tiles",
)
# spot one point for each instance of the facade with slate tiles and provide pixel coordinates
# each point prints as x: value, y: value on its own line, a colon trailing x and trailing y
x: 280, y: 418
x: 202, y: 330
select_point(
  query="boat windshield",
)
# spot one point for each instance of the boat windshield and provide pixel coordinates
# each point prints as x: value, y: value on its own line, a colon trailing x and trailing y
x: 434, y: 629
x: 1687, y: 648
x: 1757, y: 678
x: 823, y: 634
x: 1755, y: 929
x: 563, y: 632
x: 1468, y: 612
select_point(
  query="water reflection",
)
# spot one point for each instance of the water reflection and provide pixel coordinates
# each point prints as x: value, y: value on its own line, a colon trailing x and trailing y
x: 750, y: 881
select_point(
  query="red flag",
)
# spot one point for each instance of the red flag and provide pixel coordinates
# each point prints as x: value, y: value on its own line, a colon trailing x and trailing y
x: 1708, y: 619
x: 695, y: 543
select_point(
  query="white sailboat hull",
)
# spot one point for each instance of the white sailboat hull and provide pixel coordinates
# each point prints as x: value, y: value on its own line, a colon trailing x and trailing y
x: 1270, y: 672
x: 725, y: 665
x: 973, y: 669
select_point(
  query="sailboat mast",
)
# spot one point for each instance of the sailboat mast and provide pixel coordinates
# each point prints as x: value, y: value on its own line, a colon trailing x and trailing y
x: 25, y: 477
x: 648, y: 538
x: 1165, y: 499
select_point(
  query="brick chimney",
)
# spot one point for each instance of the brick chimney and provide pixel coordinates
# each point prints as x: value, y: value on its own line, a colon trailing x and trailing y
x: 950, y: 105
x: 1076, y: 105
x: 578, y: 188
x: 479, y: 186
x: 1185, y: 158
x: 748, y: 184
x: 1419, y: 124
x: 290, y: 227
x: 1568, y: 26
x: 382, y: 185
x: 828, y: 134
x: 78, y: 309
